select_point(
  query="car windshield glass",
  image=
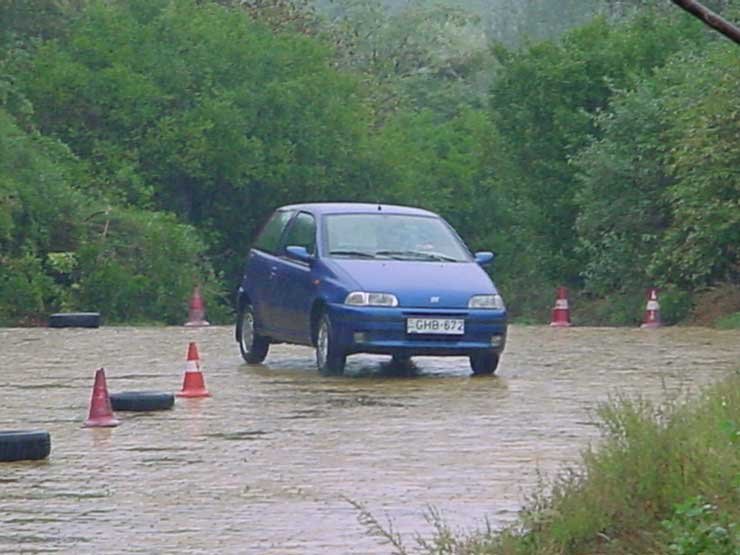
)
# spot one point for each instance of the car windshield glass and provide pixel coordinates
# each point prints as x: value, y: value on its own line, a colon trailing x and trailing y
x: 392, y: 236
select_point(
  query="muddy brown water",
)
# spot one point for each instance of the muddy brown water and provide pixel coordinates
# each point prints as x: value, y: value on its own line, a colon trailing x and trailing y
x: 268, y: 463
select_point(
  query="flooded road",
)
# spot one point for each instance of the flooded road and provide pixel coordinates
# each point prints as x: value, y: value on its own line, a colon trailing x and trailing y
x: 267, y: 464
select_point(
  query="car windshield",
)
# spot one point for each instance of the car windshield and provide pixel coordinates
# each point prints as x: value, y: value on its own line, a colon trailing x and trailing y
x: 392, y: 236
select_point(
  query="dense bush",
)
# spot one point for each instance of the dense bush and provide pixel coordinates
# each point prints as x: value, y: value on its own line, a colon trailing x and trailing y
x: 142, y: 266
x: 61, y: 251
x: 194, y: 108
x: 40, y: 212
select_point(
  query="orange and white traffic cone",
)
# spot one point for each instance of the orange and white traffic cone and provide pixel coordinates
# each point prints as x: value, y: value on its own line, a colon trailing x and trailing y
x: 561, y: 311
x: 651, y: 319
x: 193, y: 384
x: 197, y: 310
x: 101, y: 412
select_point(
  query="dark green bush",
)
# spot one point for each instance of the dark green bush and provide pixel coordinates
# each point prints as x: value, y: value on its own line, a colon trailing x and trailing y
x: 675, y: 305
x: 143, y: 266
x: 698, y: 527
x: 25, y: 290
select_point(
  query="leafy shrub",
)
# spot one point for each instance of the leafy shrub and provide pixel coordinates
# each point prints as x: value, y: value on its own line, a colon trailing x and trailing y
x: 25, y: 290
x: 675, y: 305
x: 623, y: 308
x: 700, y: 528
x: 143, y: 266
x: 731, y: 322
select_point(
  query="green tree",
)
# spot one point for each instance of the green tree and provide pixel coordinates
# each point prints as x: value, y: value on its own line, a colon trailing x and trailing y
x: 63, y: 250
x: 622, y: 210
x: 702, y: 108
x: 542, y: 102
x: 417, y: 56
x: 196, y: 109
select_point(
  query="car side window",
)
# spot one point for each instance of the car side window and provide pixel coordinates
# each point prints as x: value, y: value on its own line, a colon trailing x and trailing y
x: 302, y: 233
x: 269, y: 238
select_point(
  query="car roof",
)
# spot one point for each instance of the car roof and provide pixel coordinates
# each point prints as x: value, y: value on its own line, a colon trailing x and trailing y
x: 357, y: 208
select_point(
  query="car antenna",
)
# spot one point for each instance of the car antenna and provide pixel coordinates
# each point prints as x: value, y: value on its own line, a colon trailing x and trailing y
x: 379, y: 207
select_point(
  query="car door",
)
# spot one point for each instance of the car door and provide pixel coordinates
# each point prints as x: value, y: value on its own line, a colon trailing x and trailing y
x: 262, y: 266
x: 294, y: 288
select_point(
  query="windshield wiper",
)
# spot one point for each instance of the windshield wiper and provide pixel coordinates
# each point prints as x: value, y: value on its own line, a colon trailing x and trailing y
x: 360, y: 254
x: 400, y: 255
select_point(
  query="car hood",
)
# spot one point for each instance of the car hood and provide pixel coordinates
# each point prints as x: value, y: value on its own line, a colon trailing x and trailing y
x: 419, y: 284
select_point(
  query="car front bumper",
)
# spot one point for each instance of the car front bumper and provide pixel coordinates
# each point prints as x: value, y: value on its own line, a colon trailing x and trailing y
x: 383, y: 331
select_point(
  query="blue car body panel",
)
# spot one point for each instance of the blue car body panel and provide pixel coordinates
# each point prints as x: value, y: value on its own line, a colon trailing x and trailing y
x: 286, y: 294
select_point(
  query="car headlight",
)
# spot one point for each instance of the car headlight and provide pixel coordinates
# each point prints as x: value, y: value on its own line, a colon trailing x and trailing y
x: 494, y: 302
x: 363, y: 298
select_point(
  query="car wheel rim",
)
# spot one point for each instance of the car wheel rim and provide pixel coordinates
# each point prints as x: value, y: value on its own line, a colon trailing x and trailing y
x: 322, y: 345
x: 247, y: 331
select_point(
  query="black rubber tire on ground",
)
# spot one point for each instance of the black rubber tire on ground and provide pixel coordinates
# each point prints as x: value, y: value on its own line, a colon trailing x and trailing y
x: 252, y: 346
x: 484, y: 364
x: 75, y: 320
x: 400, y: 361
x: 20, y: 445
x: 329, y: 360
x: 142, y: 401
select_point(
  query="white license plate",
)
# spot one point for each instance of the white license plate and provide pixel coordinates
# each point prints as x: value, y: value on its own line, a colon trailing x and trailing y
x: 443, y: 326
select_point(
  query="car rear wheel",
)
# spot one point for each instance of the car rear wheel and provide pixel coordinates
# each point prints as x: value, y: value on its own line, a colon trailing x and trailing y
x: 400, y: 361
x: 329, y: 359
x: 253, y: 346
x: 484, y: 364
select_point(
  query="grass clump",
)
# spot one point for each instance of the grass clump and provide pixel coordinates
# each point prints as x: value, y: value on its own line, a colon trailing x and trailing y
x: 664, y: 480
x: 729, y: 322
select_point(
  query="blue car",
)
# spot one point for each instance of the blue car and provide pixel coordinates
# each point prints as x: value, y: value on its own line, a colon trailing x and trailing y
x: 366, y: 278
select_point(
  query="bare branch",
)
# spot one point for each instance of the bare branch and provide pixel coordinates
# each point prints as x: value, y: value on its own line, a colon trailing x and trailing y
x: 712, y: 19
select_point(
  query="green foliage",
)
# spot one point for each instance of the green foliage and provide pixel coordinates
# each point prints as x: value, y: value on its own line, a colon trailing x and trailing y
x: 59, y: 252
x: 194, y: 108
x: 39, y: 212
x: 667, y: 165
x: 703, y: 109
x: 699, y: 528
x: 624, y: 307
x: 38, y: 207
x: 142, y: 266
x: 420, y: 55
x: 622, y: 174
x: 542, y: 101
x: 729, y: 322
x: 606, y: 160
x: 675, y: 305
x: 25, y: 290
x: 652, y: 459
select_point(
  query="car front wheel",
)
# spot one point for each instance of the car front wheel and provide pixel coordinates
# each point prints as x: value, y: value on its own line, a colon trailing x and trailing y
x: 484, y: 364
x: 329, y: 360
x: 253, y: 346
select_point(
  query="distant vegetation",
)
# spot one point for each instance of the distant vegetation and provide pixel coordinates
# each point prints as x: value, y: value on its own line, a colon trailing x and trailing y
x: 592, y: 144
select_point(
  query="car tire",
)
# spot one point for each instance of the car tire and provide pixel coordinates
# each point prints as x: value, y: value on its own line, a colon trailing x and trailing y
x: 252, y: 346
x: 400, y: 361
x: 329, y: 359
x: 75, y: 320
x: 142, y: 401
x: 484, y: 364
x: 24, y: 445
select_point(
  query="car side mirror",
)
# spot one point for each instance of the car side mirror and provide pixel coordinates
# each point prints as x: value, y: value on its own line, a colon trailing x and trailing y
x: 299, y: 253
x: 484, y: 258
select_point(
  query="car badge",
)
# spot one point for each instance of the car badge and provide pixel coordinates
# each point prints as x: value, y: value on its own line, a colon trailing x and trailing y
x: 434, y: 299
